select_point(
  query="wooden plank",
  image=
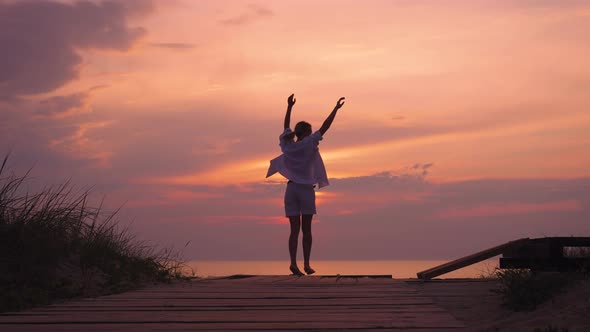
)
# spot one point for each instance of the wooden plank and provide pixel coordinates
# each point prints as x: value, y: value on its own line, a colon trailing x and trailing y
x: 265, y: 277
x: 200, y: 316
x: 266, y: 293
x: 429, y: 307
x: 468, y: 260
x: 226, y: 291
x: 275, y: 288
x: 261, y: 296
x: 269, y: 289
x: 134, y: 327
x: 544, y: 264
x: 303, y: 318
x: 392, y: 303
x: 278, y: 282
x: 567, y: 241
x: 353, y: 276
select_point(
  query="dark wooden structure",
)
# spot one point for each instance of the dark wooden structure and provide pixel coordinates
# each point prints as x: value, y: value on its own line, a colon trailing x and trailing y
x: 542, y: 254
x: 547, y: 254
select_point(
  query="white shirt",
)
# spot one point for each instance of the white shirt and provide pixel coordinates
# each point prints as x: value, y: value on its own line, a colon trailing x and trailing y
x: 301, y: 161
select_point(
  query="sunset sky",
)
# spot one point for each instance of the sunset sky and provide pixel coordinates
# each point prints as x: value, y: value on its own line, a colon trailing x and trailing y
x: 466, y: 123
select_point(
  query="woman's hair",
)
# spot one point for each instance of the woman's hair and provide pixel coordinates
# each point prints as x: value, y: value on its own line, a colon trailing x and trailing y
x: 301, y: 128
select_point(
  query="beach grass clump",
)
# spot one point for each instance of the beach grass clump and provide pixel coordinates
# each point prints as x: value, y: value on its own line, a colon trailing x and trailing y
x: 54, y: 246
x: 524, y: 290
x: 583, y: 256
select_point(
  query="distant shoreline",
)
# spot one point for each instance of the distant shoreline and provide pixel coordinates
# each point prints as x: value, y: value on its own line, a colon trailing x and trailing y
x: 399, y: 269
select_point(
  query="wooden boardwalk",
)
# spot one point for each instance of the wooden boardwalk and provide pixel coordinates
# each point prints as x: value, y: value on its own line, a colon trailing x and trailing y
x: 272, y: 303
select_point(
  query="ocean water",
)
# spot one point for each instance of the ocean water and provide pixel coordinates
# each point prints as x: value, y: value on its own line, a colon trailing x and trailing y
x: 398, y: 268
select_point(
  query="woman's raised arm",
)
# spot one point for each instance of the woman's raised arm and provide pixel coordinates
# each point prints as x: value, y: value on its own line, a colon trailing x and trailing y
x: 290, y: 101
x: 330, y: 118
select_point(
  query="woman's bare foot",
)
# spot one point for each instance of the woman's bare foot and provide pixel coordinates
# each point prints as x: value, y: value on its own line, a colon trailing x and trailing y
x: 308, y: 269
x: 295, y: 270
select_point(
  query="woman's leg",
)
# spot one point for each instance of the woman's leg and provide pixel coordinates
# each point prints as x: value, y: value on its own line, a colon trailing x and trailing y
x: 292, y: 209
x: 293, y: 239
x: 307, y: 240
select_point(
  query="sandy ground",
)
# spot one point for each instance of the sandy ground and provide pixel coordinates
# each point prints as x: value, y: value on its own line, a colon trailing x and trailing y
x: 473, y: 302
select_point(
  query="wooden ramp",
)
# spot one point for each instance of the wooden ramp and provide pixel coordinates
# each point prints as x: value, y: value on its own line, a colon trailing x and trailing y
x: 471, y: 259
x: 271, y: 303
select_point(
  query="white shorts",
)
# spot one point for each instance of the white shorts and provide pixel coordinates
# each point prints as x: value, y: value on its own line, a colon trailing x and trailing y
x: 299, y: 199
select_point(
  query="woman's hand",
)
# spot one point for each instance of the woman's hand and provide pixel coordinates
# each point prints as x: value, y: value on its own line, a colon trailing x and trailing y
x: 291, y: 100
x: 339, y: 103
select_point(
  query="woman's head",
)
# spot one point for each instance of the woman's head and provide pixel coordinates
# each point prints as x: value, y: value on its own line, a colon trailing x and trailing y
x: 302, y: 130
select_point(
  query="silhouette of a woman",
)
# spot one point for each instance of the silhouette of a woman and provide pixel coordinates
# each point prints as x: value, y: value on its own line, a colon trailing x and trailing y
x: 302, y: 164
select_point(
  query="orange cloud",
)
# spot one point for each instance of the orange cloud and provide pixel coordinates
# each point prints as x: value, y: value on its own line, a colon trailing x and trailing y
x: 79, y: 145
x: 237, y: 172
x: 271, y: 220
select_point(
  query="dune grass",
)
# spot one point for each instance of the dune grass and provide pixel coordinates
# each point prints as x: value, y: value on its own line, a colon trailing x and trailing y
x: 524, y: 290
x: 54, y: 246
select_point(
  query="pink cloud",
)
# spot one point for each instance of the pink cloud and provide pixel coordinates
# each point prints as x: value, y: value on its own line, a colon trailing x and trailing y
x: 491, y: 210
x: 172, y: 198
x: 253, y: 12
